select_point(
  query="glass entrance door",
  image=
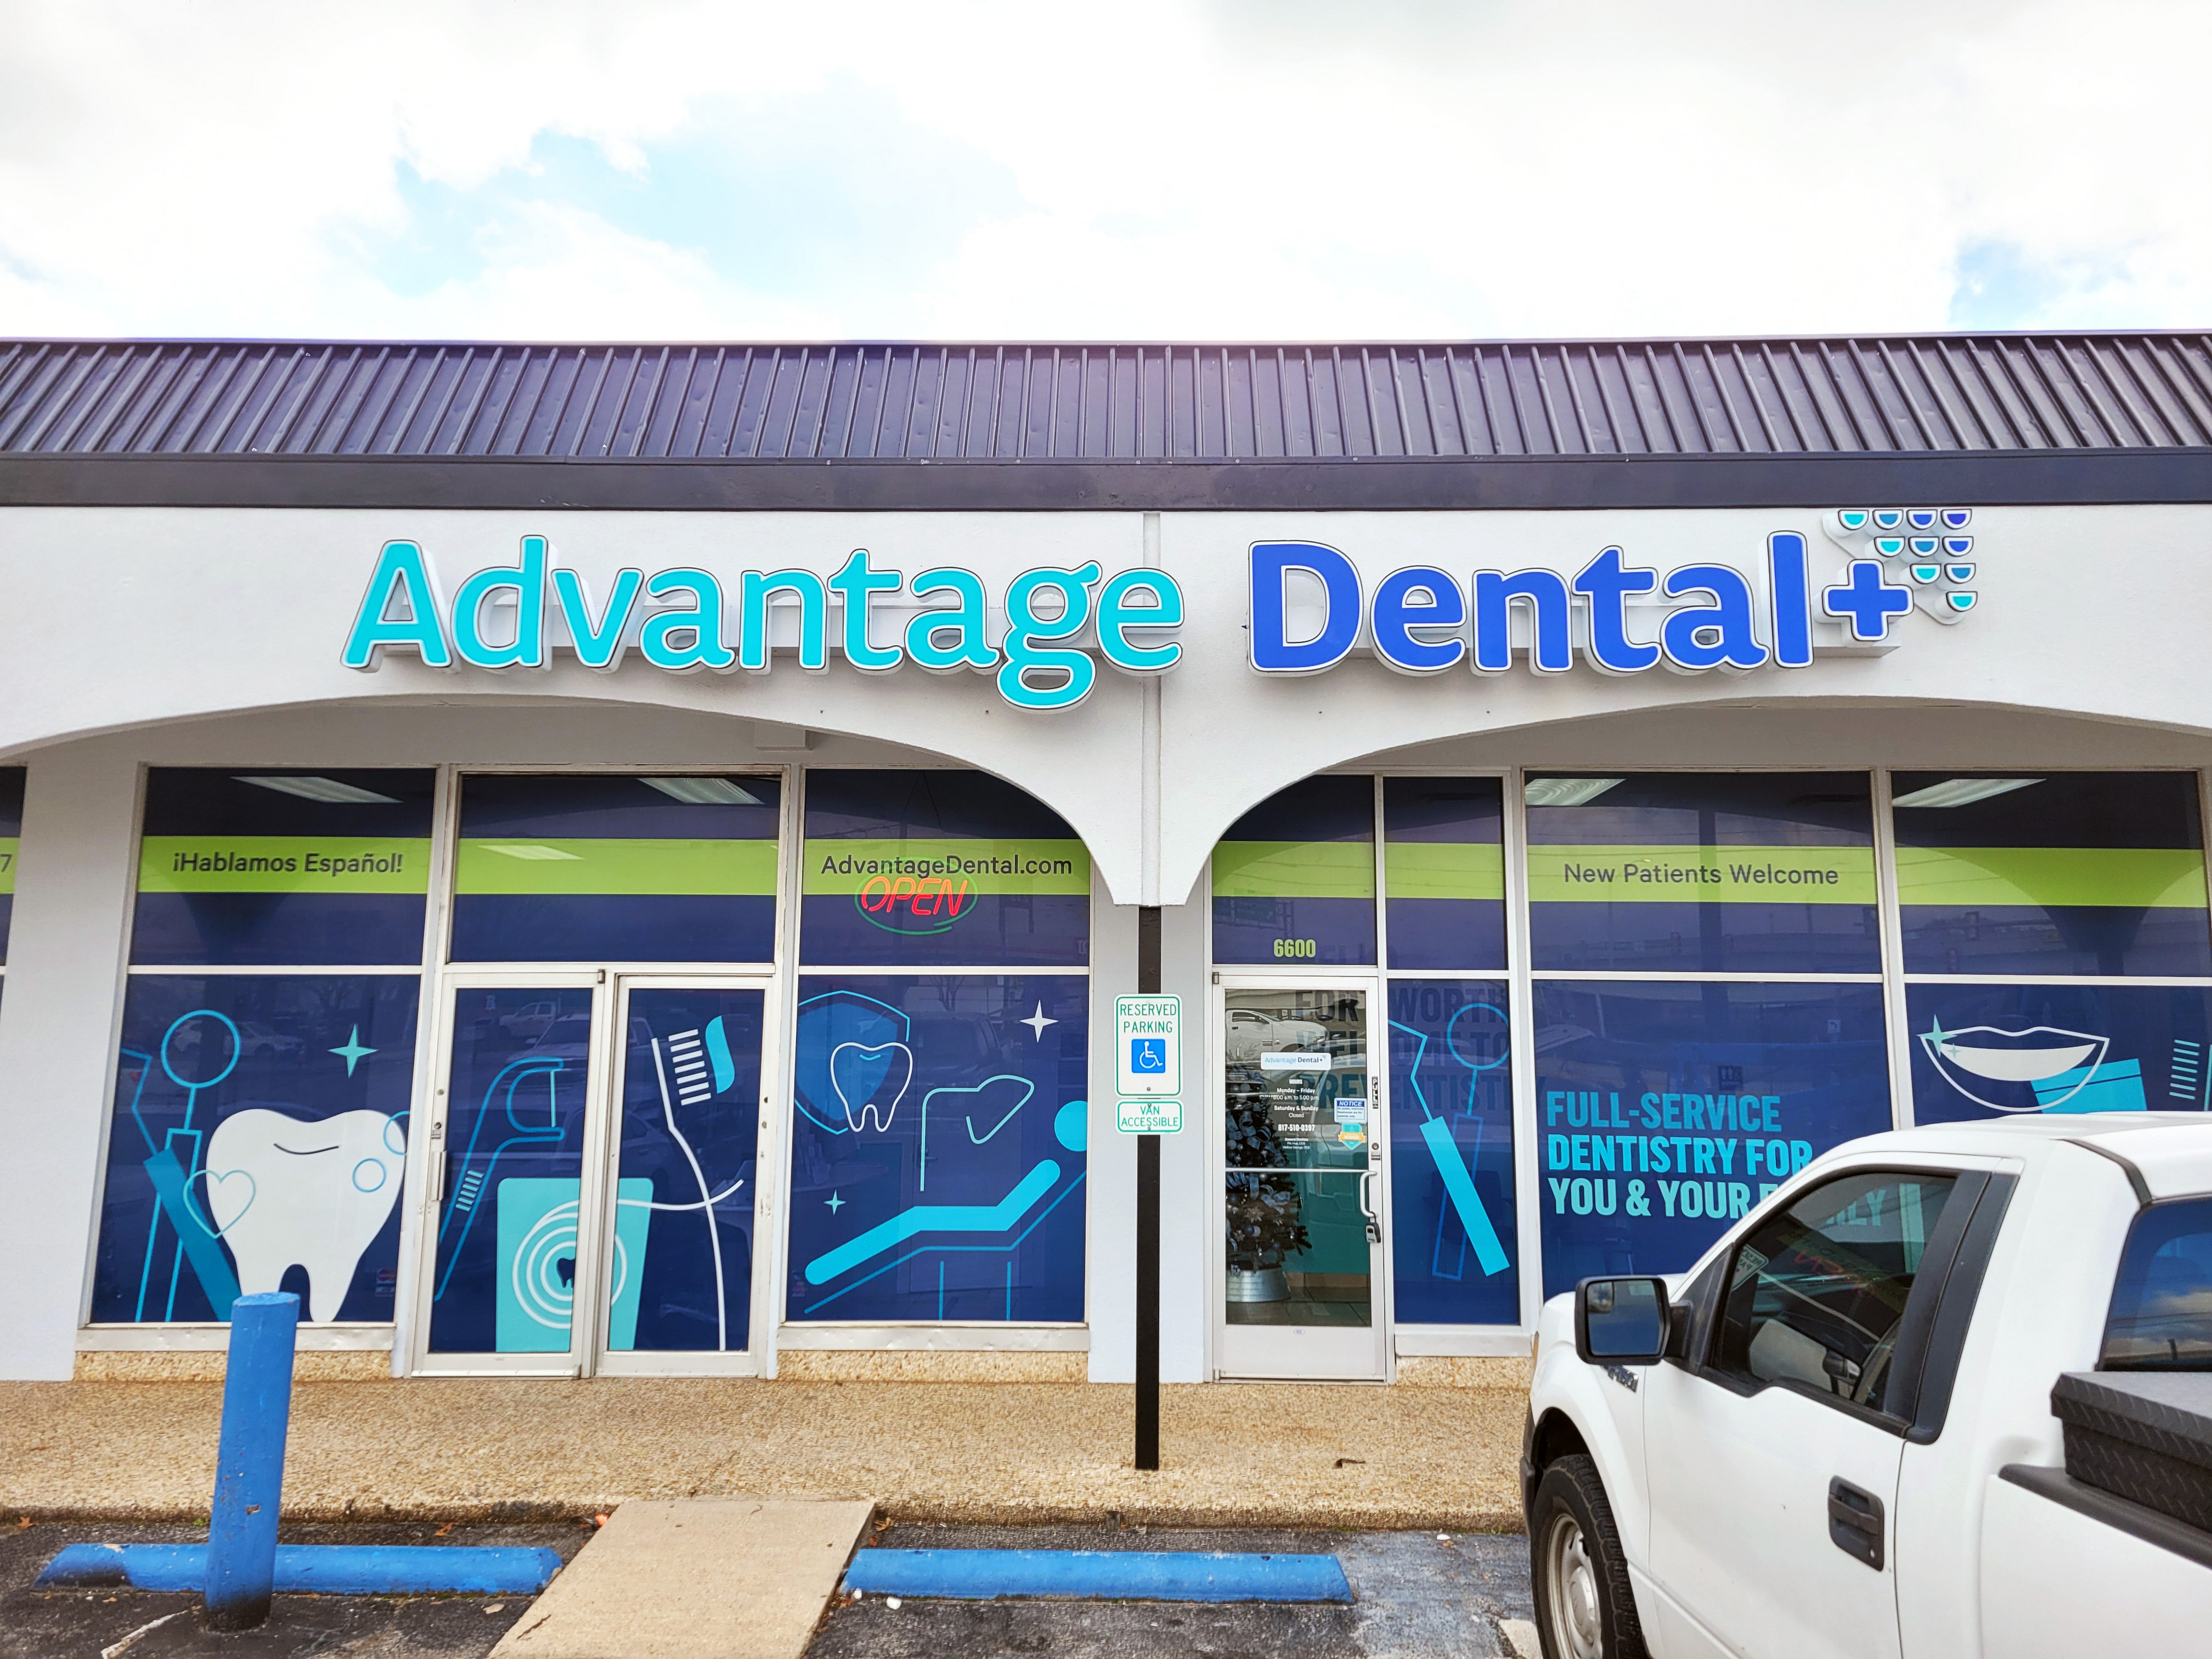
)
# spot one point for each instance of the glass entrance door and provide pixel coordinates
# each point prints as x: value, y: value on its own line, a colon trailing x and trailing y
x: 591, y: 1197
x: 1302, y: 1212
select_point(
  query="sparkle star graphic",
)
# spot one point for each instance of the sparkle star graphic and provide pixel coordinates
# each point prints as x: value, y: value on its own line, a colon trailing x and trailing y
x: 834, y: 1203
x: 1037, y: 1023
x: 353, y: 1054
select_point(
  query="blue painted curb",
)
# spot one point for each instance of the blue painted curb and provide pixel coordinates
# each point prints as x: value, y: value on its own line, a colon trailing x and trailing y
x: 1100, y: 1575
x: 317, y: 1569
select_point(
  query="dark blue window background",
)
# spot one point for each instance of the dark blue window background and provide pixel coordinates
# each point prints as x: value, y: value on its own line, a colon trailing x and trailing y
x: 505, y: 1272
x: 321, y: 923
x: 984, y: 919
x: 259, y: 1133
x: 11, y: 828
x: 938, y: 1148
x: 2082, y: 1048
x: 1466, y: 929
x: 2096, y: 829
x: 1749, y: 811
x: 685, y: 913
x: 1666, y: 1110
x: 690, y: 1126
x: 1318, y: 887
x: 1451, y: 1134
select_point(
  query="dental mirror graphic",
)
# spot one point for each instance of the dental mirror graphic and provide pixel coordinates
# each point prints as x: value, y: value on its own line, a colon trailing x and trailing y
x: 1475, y: 1038
x: 197, y: 1053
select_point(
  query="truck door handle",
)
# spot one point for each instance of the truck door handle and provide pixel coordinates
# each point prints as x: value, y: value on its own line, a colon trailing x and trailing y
x: 1855, y: 1522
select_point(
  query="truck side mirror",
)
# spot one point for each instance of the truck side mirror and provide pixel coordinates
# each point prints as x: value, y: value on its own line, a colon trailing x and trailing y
x: 1621, y: 1321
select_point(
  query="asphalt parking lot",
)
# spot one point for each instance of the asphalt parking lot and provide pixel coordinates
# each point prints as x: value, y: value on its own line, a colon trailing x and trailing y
x: 1437, y: 1597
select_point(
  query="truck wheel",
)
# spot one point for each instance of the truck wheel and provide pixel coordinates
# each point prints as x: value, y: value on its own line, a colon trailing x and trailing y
x: 1584, y: 1606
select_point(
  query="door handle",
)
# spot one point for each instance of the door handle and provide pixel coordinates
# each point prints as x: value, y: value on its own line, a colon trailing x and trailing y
x: 1855, y: 1522
x: 1367, y: 1209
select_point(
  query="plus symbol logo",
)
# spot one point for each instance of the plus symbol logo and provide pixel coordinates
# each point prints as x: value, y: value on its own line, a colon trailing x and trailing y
x: 1867, y: 599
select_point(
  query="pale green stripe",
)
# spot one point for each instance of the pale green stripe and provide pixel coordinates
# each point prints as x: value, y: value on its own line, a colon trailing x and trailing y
x: 7, y: 845
x: 283, y: 864
x: 1712, y: 875
x: 1443, y: 870
x: 2163, y: 878
x: 543, y: 864
x: 1294, y: 869
x: 982, y: 864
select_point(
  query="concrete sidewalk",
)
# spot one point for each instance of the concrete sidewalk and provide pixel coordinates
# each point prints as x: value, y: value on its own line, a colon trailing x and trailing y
x: 1241, y: 1456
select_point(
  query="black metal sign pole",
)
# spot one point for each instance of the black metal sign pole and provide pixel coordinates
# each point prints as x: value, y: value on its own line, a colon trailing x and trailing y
x: 1148, y: 1227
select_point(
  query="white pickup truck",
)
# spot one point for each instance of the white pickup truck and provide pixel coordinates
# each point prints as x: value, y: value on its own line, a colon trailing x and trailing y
x: 1949, y: 1392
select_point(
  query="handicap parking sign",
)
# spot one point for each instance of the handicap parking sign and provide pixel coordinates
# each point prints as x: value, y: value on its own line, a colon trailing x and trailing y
x: 1148, y: 1046
x: 1148, y: 1055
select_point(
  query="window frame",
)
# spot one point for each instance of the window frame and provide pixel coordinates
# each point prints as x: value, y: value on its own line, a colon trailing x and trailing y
x: 1916, y: 1347
x: 2111, y: 1307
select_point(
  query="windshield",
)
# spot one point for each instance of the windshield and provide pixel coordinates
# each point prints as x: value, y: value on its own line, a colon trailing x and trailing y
x: 2161, y: 1318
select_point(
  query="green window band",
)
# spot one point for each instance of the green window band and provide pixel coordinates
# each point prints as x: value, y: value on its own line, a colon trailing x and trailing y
x: 1702, y: 875
x: 1294, y: 869
x: 283, y: 864
x: 985, y: 865
x: 8, y: 845
x: 1442, y: 870
x: 1993, y: 878
x: 537, y: 865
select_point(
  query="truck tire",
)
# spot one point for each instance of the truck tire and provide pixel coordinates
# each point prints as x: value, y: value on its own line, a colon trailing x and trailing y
x: 1584, y: 1606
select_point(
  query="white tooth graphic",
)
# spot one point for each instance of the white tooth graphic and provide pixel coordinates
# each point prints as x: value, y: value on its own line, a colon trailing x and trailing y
x: 871, y: 1107
x: 285, y: 1193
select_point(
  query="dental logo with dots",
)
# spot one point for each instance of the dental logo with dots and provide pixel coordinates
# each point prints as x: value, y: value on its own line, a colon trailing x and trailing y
x: 1924, y: 548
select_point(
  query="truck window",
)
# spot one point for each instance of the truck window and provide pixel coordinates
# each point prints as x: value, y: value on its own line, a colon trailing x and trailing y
x: 1816, y: 1294
x: 2161, y: 1317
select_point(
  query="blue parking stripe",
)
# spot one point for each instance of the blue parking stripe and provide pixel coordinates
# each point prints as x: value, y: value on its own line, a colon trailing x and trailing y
x: 319, y: 1568
x: 1099, y: 1575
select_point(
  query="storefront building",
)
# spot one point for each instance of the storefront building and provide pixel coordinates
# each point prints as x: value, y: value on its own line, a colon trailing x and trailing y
x: 618, y: 860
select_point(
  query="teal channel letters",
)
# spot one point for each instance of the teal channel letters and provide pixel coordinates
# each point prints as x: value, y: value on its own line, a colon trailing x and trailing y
x: 527, y: 583
x: 965, y: 619
x: 598, y: 646
x: 1024, y: 628
x: 402, y: 575
x: 683, y: 642
x: 854, y: 583
x: 814, y: 616
x: 1116, y: 617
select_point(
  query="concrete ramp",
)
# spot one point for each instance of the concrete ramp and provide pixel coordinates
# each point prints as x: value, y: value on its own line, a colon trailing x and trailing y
x: 695, y: 1578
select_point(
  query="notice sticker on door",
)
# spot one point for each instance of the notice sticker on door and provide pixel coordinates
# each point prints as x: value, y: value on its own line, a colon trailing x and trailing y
x: 1351, y: 1108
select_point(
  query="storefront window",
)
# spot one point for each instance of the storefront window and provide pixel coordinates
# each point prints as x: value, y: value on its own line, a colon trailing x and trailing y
x: 1294, y: 878
x: 1443, y: 860
x: 259, y: 1142
x: 938, y: 1148
x: 2072, y: 873
x: 911, y: 869
x: 1979, y: 1050
x: 582, y: 867
x: 1451, y: 1183
x: 283, y: 868
x: 1704, y: 873
x: 1666, y: 1110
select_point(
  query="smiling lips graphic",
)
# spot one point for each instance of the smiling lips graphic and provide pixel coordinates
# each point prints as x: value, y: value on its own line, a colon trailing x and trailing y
x: 1991, y: 1054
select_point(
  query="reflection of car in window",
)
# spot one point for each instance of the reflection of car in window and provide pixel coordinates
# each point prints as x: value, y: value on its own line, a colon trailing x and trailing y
x: 1248, y: 1035
x: 529, y: 1020
x: 256, y: 1038
x: 569, y: 1038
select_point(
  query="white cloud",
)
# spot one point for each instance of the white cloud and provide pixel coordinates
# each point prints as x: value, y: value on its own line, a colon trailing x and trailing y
x: 1241, y: 168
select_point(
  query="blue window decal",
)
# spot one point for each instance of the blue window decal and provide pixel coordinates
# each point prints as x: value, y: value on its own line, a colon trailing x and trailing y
x: 630, y: 868
x: 1983, y: 1051
x: 258, y: 1144
x: 938, y: 1148
x: 11, y: 830
x: 936, y: 869
x: 2072, y: 873
x: 1444, y: 869
x: 504, y: 1268
x: 1451, y: 1132
x: 1666, y: 1110
x: 239, y: 869
x: 1294, y: 877
x: 690, y: 1126
x: 1704, y: 873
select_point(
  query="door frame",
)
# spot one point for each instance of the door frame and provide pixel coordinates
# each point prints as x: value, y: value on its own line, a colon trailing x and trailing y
x: 761, y: 1300
x: 429, y: 1169
x: 1373, y: 985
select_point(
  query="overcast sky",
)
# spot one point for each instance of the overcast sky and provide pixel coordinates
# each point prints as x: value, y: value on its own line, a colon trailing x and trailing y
x: 1156, y: 169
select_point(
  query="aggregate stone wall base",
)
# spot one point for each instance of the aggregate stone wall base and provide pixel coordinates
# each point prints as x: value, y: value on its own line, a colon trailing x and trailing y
x: 851, y: 1365
x: 207, y: 1365
x: 1465, y: 1372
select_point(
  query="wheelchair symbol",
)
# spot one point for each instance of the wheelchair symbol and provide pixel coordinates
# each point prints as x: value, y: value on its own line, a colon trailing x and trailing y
x: 1148, y: 1054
